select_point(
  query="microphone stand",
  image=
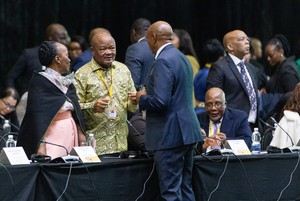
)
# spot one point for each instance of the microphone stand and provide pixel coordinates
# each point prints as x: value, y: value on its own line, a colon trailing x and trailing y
x: 293, y: 148
x: 66, y: 159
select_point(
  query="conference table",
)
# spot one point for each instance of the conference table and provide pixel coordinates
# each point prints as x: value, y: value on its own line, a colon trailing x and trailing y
x: 232, y: 178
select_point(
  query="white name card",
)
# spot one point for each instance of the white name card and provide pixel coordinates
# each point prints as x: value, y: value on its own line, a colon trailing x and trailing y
x: 86, y: 154
x: 238, y: 147
x: 13, y: 156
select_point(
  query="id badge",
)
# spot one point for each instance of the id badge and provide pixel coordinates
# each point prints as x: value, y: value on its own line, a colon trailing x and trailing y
x: 112, y: 113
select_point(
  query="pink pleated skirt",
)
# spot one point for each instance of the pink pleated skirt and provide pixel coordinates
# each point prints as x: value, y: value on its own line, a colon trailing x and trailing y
x: 62, y: 131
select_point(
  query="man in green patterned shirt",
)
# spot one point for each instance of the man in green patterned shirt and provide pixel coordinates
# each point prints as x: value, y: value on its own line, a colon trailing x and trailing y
x: 106, y: 92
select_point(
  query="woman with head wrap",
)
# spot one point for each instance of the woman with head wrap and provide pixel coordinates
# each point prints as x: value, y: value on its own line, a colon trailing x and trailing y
x: 53, y: 114
x: 285, y: 76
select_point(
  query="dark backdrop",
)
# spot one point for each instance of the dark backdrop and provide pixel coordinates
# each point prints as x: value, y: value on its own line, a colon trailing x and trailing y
x: 23, y: 22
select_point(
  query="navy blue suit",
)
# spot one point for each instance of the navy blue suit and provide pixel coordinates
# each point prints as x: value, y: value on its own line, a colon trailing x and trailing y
x: 234, y: 124
x: 22, y: 72
x: 172, y: 127
x: 225, y: 75
x: 81, y: 60
x: 139, y: 60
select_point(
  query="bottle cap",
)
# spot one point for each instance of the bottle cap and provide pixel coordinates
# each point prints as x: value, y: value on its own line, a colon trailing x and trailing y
x: 91, y: 135
x: 6, y: 121
x: 10, y: 136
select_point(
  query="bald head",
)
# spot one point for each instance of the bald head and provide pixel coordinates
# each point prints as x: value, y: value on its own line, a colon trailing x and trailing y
x: 215, y: 92
x: 57, y: 32
x: 97, y: 30
x: 158, y: 34
x: 237, y: 43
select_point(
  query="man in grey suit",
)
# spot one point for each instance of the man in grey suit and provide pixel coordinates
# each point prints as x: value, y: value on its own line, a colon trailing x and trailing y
x: 235, y: 77
x: 139, y: 57
x: 172, y: 128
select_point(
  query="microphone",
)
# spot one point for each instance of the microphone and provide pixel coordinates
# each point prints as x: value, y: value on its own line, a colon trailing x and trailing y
x: 266, y: 124
x: 293, y: 148
x: 13, y: 125
x: 275, y: 122
x: 130, y: 124
x: 64, y: 159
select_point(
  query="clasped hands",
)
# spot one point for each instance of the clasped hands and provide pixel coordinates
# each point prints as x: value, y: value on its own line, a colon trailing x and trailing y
x: 216, y: 139
x: 102, y: 103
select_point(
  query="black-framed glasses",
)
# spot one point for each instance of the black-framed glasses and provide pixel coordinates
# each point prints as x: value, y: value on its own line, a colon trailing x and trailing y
x: 8, y: 106
x: 217, y: 104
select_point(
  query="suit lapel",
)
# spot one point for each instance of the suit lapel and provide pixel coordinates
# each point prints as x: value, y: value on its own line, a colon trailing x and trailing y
x: 236, y: 73
x: 226, y: 122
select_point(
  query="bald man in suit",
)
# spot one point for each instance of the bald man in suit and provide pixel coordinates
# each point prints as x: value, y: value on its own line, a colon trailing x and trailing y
x: 227, y: 74
x: 172, y: 128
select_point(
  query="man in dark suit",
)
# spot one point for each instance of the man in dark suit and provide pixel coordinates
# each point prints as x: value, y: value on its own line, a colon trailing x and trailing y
x: 139, y: 57
x: 221, y: 123
x: 172, y: 128
x: 235, y: 77
x: 21, y: 73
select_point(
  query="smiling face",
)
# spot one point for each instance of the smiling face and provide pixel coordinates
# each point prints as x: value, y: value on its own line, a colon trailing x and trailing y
x: 215, y: 104
x: 104, y: 49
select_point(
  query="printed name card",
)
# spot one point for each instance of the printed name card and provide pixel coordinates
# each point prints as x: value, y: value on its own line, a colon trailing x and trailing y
x: 13, y: 156
x: 239, y: 147
x: 86, y: 154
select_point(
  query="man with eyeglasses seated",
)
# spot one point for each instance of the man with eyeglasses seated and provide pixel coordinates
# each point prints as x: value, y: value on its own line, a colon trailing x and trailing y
x: 219, y: 123
x: 8, y: 101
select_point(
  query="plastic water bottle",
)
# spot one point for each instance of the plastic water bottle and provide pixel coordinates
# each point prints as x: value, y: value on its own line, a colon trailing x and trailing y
x: 6, y: 127
x: 256, y: 146
x: 10, y: 141
x: 91, y: 141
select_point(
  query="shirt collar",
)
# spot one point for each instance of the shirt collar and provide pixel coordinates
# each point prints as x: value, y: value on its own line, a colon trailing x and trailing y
x: 141, y: 39
x: 160, y: 49
x: 235, y: 59
x: 96, y: 66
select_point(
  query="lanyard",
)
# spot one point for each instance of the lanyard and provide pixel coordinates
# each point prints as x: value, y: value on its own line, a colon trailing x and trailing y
x: 109, y: 89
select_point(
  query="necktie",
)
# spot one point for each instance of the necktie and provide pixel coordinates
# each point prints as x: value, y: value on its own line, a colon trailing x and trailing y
x: 251, y: 92
x: 215, y: 130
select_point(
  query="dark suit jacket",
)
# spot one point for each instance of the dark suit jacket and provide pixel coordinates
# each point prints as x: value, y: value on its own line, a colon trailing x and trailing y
x: 21, y: 73
x: 225, y: 75
x: 81, y: 60
x: 139, y: 60
x: 285, y: 77
x: 234, y: 124
x: 170, y: 117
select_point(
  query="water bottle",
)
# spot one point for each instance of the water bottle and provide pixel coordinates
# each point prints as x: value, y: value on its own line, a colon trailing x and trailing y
x: 256, y: 147
x: 6, y: 127
x: 10, y: 141
x: 91, y: 141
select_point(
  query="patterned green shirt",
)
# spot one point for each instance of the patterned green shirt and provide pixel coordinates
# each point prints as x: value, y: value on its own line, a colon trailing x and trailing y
x: 110, y: 133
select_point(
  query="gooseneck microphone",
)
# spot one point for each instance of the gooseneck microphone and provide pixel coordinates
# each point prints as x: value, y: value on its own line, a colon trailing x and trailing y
x: 275, y: 122
x: 130, y: 124
x: 64, y: 159
x: 13, y: 125
x: 58, y: 145
x: 266, y: 124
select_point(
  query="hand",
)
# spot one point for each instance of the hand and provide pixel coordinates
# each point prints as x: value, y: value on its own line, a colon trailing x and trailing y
x: 132, y: 97
x: 139, y: 93
x: 101, y: 104
x: 203, y: 133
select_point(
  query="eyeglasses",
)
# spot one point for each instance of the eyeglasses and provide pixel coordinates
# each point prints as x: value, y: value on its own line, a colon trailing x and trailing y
x: 217, y: 104
x: 8, y: 106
